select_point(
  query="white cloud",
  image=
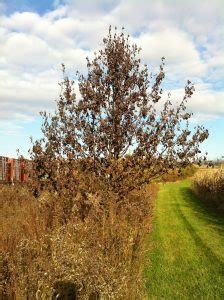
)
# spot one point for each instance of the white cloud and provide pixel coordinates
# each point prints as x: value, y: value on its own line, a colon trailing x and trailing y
x: 182, y: 58
x: 28, y: 94
x: 204, y: 102
x: 10, y: 128
x: 32, y: 47
x: 27, y: 51
x: 208, y: 102
x: 24, y: 21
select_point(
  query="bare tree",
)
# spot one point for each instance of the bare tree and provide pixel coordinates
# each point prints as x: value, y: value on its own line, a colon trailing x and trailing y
x: 115, y: 136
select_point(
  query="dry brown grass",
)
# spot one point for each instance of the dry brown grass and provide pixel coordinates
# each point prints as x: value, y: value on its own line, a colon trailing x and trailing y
x: 20, y: 219
x: 174, y: 175
x: 209, y: 186
x: 102, y: 255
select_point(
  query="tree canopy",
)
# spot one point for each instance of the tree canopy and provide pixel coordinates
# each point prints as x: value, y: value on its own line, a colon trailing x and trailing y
x: 115, y: 132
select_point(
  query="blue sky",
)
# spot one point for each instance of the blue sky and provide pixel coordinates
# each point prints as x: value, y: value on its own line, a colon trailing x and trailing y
x: 37, y: 36
x: 40, y: 6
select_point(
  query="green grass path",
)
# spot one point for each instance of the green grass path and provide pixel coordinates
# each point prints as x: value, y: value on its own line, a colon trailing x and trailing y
x: 186, y: 248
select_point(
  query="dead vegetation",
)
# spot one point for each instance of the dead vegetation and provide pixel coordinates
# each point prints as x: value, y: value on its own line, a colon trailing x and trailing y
x: 81, y: 224
x: 178, y: 174
x: 209, y: 187
x: 102, y: 255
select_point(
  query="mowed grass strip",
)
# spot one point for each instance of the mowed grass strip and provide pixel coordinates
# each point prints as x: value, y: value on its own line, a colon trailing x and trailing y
x: 186, y: 248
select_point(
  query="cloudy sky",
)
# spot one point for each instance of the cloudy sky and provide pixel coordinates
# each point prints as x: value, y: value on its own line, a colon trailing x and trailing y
x: 37, y: 36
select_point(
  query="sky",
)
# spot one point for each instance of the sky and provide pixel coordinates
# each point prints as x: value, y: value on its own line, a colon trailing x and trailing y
x: 37, y: 36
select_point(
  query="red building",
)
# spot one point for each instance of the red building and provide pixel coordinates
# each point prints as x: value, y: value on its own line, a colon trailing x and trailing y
x: 13, y: 170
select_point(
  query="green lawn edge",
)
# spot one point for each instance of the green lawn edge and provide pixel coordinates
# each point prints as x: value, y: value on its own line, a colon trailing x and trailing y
x: 186, y: 248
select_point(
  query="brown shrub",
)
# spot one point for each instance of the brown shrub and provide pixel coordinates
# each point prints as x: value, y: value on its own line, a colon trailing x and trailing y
x: 21, y: 219
x: 87, y: 226
x: 118, y: 131
x: 209, y: 186
x: 104, y: 254
x: 178, y: 174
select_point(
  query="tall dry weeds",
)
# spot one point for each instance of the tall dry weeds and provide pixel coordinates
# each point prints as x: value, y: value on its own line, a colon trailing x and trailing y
x: 102, y: 255
x: 209, y: 186
x: 88, y: 214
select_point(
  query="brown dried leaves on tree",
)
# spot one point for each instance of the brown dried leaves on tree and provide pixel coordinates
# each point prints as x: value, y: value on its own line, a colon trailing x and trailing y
x: 115, y: 137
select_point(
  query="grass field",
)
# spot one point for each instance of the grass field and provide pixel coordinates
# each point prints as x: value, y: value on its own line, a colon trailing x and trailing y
x: 186, y: 247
